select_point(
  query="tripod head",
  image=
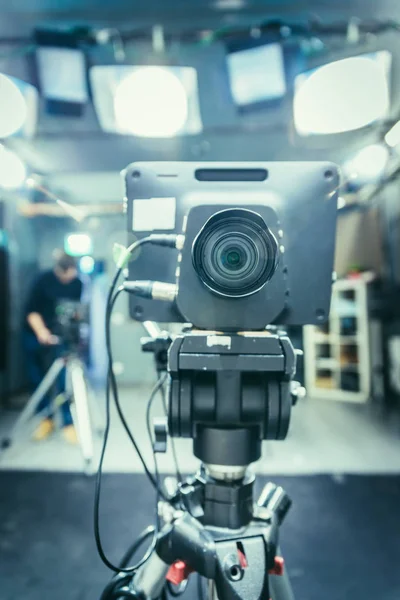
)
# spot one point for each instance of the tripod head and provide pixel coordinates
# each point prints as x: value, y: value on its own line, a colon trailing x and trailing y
x: 229, y: 392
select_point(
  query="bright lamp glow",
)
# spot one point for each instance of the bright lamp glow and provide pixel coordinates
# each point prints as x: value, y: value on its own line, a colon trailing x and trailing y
x: 344, y: 95
x: 392, y: 138
x: 151, y: 102
x: 12, y: 170
x: 369, y: 164
x: 146, y: 101
x: 86, y: 265
x: 13, y: 108
x: 78, y: 244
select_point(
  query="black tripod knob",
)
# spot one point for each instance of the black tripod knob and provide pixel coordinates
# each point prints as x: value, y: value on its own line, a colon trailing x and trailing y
x: 274, y: 498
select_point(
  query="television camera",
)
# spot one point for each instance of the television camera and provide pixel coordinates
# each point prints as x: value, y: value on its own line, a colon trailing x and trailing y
x: 72, y: 326
x: 251, y: 250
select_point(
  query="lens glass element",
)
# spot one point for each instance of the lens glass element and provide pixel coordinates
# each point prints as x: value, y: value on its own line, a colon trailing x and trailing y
x: 233, y: 258
x: 235, y: 253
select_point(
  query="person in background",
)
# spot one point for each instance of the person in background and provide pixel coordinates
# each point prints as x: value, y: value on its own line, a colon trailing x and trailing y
x: 41, y: 346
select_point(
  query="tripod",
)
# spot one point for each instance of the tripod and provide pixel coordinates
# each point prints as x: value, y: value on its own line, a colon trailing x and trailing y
x: 76, y: 393
x: 227, y: 392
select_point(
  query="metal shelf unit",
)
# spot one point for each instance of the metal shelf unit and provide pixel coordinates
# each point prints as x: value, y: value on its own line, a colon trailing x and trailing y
x: 342, y: 357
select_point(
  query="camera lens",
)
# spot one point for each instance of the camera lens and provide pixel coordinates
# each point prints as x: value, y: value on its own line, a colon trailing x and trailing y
x: 235, y: 253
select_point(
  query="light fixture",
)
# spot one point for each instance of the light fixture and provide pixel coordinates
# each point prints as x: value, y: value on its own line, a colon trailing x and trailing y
x: 86, y: 265
x: 344, y: 95
x: 392, y: 138
x: 78, y: 244
x: 148, y: 101
x: 368, y: 164
x: 62, y: 76
x: 257, y: 74
x: 61, y: 67
x: 12, y: 170
x: 13, y: 109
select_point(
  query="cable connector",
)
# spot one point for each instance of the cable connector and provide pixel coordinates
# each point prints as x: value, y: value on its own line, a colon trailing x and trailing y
x: 155, y: 290
x: 171, y: 240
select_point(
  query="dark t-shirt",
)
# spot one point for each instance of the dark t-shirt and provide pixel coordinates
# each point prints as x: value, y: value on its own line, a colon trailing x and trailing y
x: 46, y: 293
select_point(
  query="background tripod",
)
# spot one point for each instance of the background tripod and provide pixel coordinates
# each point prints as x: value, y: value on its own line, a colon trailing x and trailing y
x: 76, y: 393
x: 227, y: 392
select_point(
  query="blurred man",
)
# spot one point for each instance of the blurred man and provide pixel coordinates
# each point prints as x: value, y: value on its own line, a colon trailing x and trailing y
x: 42, y: 347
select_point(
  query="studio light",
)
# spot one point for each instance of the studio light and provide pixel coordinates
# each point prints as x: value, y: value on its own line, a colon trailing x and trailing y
x: 344, y: 95
x: 62, y: 74
x: 86, y: 265
x: 369, y: 164
x: 257, y: 74
x: 61, y: 68
x: 148, y: 101
x: 12, y: 170
x: 392, y: 138
x: 13, y: 109
x: 78, y: 244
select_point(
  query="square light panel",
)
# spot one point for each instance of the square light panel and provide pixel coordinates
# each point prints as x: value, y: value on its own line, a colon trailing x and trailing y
x: 78, y: 244
x: 62, y: 74
x: 344, y: 95
x: 257, y: 74
x: 146, y: 101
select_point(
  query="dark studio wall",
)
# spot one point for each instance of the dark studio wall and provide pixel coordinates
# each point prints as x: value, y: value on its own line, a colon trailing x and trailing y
x: 389, y: 204
x: 22, y: 268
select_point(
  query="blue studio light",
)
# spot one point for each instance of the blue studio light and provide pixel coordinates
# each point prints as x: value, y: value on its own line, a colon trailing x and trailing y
x: 86, y: 265
x: 257, y: 74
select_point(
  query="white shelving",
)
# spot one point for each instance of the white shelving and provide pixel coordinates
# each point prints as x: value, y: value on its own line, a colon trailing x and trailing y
x: 337, y: 354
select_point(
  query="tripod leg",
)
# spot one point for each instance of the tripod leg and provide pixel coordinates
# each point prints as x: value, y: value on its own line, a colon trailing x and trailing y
x: 95, y: 413
x: 80, y: 409
x: 36, y: 397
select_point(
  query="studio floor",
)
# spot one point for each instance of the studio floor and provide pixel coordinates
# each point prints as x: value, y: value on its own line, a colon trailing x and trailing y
x: 340, y: 464
x: 324, y: 437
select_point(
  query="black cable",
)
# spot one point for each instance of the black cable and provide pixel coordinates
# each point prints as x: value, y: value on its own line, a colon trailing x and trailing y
x: 146, y: 533
x: 124, y: 592
x: 121, y: 579
x: 111, y: 384
x: 153, y: 394
x: 173, y: 447
x: 97, y: 502
x: 112, y: 380
x: 158, y: 386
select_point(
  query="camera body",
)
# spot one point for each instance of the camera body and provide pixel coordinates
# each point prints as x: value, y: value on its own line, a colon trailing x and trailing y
x: 72, y: 325
x: 272, y: 265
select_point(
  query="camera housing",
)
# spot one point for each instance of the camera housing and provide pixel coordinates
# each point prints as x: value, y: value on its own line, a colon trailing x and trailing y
x: 293, y: 208
x: 211, y: 295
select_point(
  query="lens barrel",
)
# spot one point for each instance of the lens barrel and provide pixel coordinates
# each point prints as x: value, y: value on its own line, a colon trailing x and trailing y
x: 235, y: 253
